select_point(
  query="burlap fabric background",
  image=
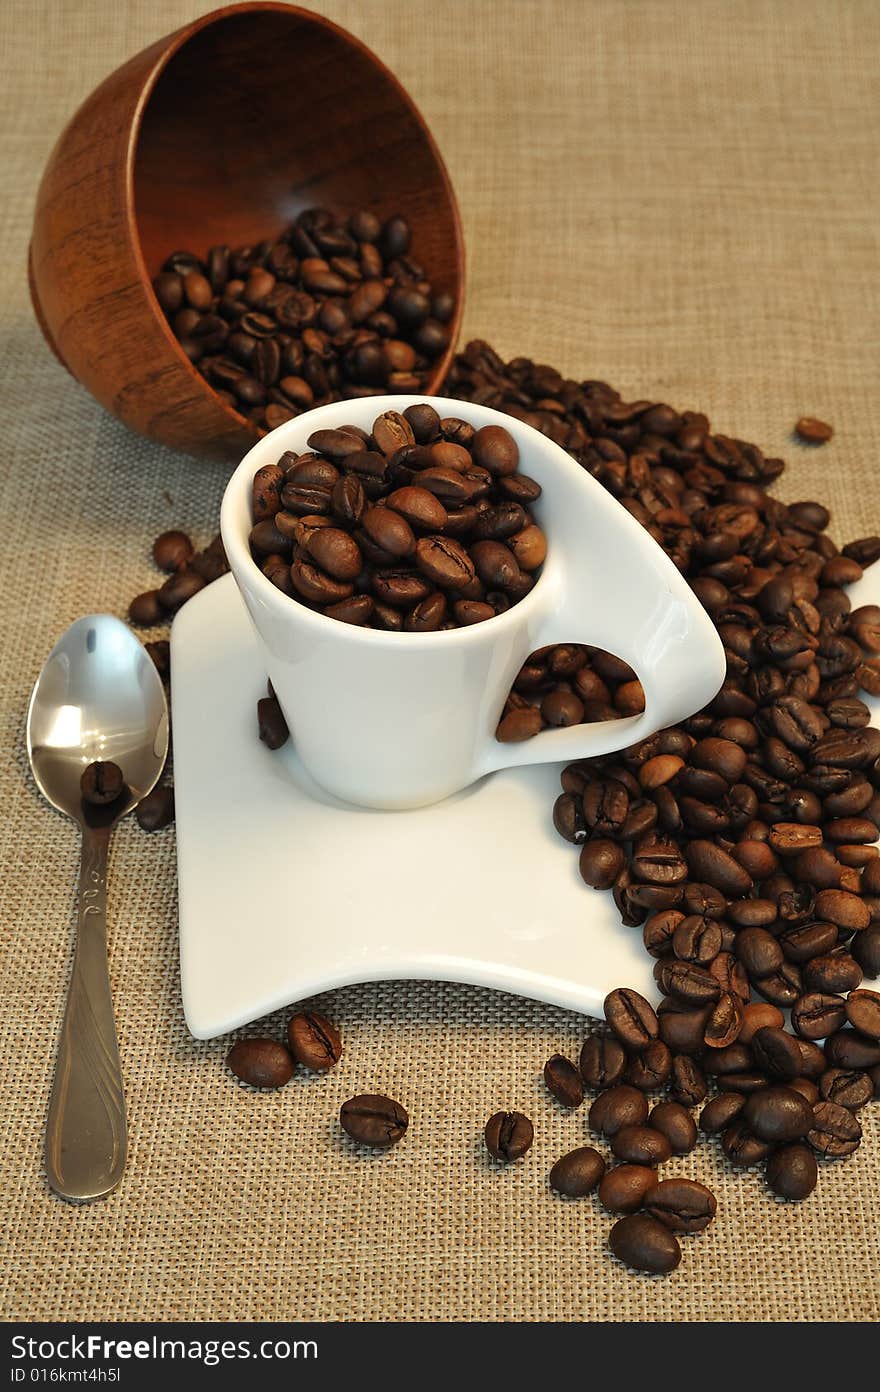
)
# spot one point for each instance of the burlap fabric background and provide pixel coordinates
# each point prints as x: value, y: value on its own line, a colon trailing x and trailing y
x: 680, y: 197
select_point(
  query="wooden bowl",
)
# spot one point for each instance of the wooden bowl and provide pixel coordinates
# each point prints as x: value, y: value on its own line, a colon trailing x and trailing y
x: 221, y: 132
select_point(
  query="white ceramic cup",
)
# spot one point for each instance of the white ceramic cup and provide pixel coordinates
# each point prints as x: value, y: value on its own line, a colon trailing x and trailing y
x: 399, y: 720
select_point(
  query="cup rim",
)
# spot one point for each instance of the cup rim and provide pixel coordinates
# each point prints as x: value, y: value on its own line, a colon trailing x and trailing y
x: 235, y: 505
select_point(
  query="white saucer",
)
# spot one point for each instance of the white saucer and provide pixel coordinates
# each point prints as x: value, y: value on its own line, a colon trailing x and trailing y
x: 286, y: 892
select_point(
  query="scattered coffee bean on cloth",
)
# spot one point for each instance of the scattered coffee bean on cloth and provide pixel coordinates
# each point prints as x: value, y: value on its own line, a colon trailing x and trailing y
x: 423, y: 524
x: 332, y: 309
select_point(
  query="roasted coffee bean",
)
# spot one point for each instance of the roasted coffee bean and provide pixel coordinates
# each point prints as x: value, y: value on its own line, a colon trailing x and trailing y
x: 617, y: 1107
x: 650, y: 1069
x: 101, y: 782
x: 374, y: 1120
x: 863, y: 1012
x: 848, y: 1087
x: 314, y: 1041
x: 602, y: 1062
x: 273, y: 728
x: 813, y: 431
x: 697, y: 939
x: 792, y: 1172
x: 776, y: 1052
x: 709, y: 862
x: 806, y: 941
x: 145, y: 610
x: 681, y: 1205
x: 818, y: 1014
x: 741, y: 1146
x: 758, y: 951
x: 675, y: 1122
x: 577, y: 1173
x: 682, y: 1027
x: 759, y: 1015
x: 687, y: 1082
x: 156, y: 811
x: 835, y: 1131
x: 721, y: 1112
x: 172, y: 550
x: 523, y: 724
x: 508, y: 1135
x: 777, y: 1113
x: 724, y: 1022
x: 178, y: 588
x: 263, y: 1063
x: 835, y: 972
x: 865, y: 948
x: 564, y: 1081
x: 644, y: 1244
x: 849, y: 1049
x: 630, y: 1017
x: 640, y: 1145
x: 601, y: 861
x: 690, y: 984
x: 623, y: 1188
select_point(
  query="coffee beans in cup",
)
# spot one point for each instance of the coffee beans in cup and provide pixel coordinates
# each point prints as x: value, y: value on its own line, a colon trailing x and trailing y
x: 420, y: 525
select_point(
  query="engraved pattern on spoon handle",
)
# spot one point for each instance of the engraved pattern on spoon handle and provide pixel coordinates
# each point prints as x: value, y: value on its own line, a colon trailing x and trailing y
x: 86, y: 1141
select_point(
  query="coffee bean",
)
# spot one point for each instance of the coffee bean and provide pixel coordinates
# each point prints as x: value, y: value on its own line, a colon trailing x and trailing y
x: 863, y: 1012
x: 644, y: 1244
x: 687, y: 1083
x: 156, y: 811
x: 521, y: 725
x: 674, y: 1122
x: 848, y: 1087
x: 777, y: 1113
x: 681, y: 1205
x: 759, y: 1015
x: 741, y: 1146
x: 792, y: 1172
x: 617, y: 1107
x: 602, y: 1062
x: 623, y: 1188
x: 776, y: 1052
x: 577, y: 1173
x: 721, y: 1112
x: 101, y: 782
x: 172, y: 550
x: 650, y: 1069
x: 508, y: 1135
x: 314, y: 1041
x: 866, y: 951
x: 835, y: 1131
x: 263, y: 1063
x: 564, y: 1081
x: 758, y: 951
x: 374, y: 1120
x: 813, y: 431
x: 640, y: 1145
x: 146, y: 610
x: 709, y: 862
x: 849, y: 1049
x: 178, y: 588
x: 601, y: 860
x: 817, y: 1014
x: 630, y: 1016
x: 835, y: 972
x: 273, y: 728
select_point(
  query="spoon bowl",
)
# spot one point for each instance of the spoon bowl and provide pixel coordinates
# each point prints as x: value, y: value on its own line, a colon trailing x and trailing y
x: 98, y: 697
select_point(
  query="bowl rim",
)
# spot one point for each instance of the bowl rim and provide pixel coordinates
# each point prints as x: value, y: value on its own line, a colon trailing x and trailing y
x: 236, y: 500
x: 172, y: 45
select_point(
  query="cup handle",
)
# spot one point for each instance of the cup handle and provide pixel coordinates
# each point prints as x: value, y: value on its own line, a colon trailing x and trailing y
x: 610, y: 585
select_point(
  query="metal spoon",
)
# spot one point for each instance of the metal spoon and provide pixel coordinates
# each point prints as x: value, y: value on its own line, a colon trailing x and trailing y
x: 98, y: 697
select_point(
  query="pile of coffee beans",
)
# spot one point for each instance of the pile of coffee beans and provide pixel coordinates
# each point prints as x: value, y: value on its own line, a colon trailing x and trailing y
x: 332, y: 309
x: 422, y: 524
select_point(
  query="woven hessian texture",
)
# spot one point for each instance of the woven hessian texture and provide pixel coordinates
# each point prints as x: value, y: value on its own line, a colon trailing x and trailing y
x: 678, y: 197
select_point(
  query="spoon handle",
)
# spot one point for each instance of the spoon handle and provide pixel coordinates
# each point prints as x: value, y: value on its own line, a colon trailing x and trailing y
x: 86, y: 1142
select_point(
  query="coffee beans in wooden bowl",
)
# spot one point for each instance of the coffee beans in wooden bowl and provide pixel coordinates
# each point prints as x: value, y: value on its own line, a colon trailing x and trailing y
x: 421, y: 525
x: 333, y: 308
